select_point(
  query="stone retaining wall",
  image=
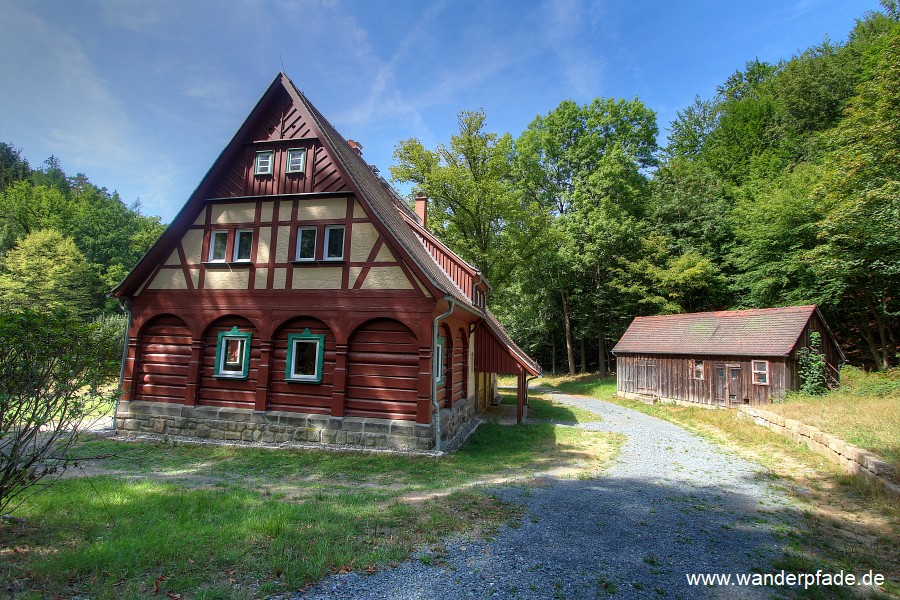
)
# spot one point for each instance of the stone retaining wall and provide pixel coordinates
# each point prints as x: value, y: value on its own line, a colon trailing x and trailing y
x: 852, y: 459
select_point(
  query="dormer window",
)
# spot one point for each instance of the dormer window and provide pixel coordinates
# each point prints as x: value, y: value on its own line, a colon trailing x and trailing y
x: 263, y: 164
x: 296, y: 160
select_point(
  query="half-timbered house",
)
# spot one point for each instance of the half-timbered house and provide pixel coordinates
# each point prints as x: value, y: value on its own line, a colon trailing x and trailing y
x: 724, y: 358
x: 296, y: 297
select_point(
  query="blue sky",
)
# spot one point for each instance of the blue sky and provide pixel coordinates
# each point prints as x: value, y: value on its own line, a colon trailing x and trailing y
x: 142, y: 96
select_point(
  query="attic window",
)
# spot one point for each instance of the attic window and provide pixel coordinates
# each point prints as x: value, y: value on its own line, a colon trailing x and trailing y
x: 218, y: 245
x: 296, y: 160
x: 243, y: 245
x: 306, y: 243
x: 760, y: 372
x: 334, y: 242
x: 263, y: 164
x: 305, y: 356
x: 233, y: 354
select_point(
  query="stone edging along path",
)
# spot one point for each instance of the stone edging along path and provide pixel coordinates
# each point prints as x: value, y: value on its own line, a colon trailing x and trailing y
x: 849, y: 457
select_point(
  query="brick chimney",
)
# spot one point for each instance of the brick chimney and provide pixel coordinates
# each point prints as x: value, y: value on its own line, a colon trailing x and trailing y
x: 422, y: 208
x: 357, y: 147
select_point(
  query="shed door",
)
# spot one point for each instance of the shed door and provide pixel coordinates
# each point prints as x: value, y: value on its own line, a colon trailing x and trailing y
x: 734, y: 385
x: 721, y: 385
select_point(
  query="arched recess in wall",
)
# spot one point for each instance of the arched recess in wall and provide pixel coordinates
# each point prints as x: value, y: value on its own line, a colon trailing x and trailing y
x: 312, y: 394
x: 164, y: 356
x: 382, y: 371
x: 446, y: 399
x: 231, y: 387
x: 460, y: 365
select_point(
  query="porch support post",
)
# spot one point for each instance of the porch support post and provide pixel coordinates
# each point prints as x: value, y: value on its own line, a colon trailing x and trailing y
x: 262, y: 376
x: 520, y: 403
x: 339, y: 387
x: 193, y: 375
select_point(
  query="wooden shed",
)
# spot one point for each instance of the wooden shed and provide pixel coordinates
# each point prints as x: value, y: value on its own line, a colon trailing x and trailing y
x: 723, y: 358
x: 297, y: 297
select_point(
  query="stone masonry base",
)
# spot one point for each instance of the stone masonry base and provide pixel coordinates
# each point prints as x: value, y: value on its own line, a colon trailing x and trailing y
x: 238, y: 424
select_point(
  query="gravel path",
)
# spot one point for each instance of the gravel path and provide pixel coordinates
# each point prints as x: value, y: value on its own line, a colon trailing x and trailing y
x: 671, y: 503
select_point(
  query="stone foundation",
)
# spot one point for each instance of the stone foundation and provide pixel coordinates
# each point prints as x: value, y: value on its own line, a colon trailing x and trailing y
x: 239, y: 424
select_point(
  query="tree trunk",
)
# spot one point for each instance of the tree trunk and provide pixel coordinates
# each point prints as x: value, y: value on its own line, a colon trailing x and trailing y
x: 583, y: 357
x: 885, y: 355
x: 553, y: 354
x: 570, y: 345
x: 601, y: 355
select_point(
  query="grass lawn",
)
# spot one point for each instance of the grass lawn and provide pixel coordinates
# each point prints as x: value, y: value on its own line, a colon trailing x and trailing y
x: 542, y: 408
x: 846, y: 523
x: 865, y: 411
x: 183, y: 521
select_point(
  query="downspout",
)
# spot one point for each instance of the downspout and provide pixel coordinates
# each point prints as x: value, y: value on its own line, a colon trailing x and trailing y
x: 436, y: 417
x: 126, y: 306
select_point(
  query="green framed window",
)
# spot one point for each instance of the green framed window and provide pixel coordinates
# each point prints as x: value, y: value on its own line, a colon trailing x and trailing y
x: 438, y: 362
x: 263, y: 163
x: 305, y: 357
x: 233, y: 354
x: 296, y: 160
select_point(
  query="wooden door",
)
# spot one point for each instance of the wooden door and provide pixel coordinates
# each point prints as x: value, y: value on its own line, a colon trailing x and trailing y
x: 720, y: 385
x: 734, y: 385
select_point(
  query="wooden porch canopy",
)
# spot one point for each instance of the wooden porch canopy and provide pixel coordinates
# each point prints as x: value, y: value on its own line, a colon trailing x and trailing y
x: 495, y: 352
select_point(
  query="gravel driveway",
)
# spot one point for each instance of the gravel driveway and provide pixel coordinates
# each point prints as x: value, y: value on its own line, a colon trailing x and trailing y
x: 670, y: 504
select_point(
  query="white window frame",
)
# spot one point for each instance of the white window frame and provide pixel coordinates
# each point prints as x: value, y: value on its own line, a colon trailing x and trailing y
x: 698, y: 366
x: 237, y: 239
x: 212, y: 245
x: 264, y: 162
x: 315, y: 234
x: 244, y: 339
x: 328, y: 230
x: 760, y: 371
x: 290, y: 367
x: 291, y: 153
x: 438, y: 362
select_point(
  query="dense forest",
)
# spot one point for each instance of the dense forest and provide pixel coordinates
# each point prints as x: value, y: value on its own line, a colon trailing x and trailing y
x: 782, y: 189
x: 64, y: 242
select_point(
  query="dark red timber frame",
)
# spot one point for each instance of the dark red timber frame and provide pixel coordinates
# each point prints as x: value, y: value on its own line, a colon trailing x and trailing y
x: 342, y: 312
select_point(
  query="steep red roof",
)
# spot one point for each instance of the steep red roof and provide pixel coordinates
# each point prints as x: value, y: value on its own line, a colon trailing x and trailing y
x: 755, y: 332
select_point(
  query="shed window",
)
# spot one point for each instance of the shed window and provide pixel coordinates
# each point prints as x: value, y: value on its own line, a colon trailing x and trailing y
x: 438, y: 362
x: 305, y: 356
x: 263, y: 163
x: 233, y: 354
x: 334, y: 242
x: 243, y: 244
x: 761, y: 372
x: 306, y: 243
x: 698, y: 369
x: 218, y: 245
x: 296, y: 160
